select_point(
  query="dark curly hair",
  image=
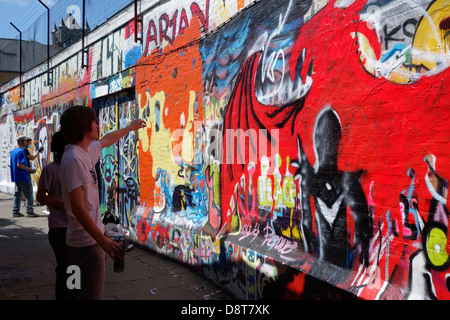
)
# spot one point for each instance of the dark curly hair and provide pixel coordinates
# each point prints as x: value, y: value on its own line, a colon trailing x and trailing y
x: 75, y: 122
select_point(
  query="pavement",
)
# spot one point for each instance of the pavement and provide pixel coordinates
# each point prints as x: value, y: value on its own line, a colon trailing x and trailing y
x: 27, y: 267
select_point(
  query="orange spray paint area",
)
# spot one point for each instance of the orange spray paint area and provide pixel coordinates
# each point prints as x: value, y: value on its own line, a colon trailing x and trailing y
x: 168, y: 91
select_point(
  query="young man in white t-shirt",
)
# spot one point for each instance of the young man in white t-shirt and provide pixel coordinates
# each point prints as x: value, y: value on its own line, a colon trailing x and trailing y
x: 86, y: 241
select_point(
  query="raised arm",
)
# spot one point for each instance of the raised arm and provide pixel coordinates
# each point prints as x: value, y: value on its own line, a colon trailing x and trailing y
x: 115, y: 136
x: 31, y: 157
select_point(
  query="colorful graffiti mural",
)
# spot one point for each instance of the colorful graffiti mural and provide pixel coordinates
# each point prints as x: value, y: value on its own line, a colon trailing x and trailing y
x: 118, y: 190
x: 293, y: 150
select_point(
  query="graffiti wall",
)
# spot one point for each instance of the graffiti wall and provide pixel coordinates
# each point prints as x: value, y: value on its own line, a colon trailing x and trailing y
x: 119, y: 162
x: 293, y: 149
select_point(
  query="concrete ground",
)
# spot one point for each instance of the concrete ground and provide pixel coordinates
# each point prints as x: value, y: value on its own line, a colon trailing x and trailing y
x: 27, y: 267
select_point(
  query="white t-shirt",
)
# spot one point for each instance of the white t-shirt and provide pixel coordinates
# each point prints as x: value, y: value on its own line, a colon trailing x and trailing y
x: 78, y: 169
x: 50, y: 181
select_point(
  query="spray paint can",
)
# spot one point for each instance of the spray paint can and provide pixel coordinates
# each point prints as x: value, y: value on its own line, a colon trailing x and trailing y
x: 119, y: 264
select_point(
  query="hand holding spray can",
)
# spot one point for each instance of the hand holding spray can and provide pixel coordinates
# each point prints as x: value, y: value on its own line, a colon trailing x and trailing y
x: 115, y: 231
x: 119, y: 264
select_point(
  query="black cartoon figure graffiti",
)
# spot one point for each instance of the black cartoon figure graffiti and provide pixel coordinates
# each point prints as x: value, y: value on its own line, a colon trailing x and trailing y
x: 333, y: 194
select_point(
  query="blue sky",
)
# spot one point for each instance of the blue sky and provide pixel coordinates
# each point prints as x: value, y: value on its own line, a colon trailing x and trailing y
x: 9, y: 11
x: 20, y: 12
x: 24, y: 13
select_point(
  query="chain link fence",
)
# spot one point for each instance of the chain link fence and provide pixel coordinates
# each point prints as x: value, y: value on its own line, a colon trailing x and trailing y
x: 33, y: 24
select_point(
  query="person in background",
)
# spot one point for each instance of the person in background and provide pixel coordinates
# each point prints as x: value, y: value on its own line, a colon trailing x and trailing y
x: 20, y: 175
x: 86, y: 241
x: 49, y: 194
x: 31, y: 157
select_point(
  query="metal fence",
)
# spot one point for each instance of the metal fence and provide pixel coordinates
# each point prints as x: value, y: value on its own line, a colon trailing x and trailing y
x: 33, y: 21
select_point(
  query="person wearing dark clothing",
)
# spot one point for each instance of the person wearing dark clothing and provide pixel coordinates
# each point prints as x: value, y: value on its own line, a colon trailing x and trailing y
x: 49, y: 194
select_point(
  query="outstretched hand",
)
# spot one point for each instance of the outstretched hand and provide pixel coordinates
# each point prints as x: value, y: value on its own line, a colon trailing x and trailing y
x: 137, y: 124
x: 116, y: 135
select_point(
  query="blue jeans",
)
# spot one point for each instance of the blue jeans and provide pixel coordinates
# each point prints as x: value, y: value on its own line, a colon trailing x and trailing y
x: 25, y: 188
